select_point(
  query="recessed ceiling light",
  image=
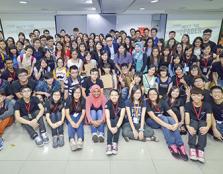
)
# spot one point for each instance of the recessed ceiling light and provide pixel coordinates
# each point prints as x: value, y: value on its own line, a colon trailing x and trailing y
x: 154, y: 1
x: 142, y: 8
x: 88, y: 2
x: 23, y: 2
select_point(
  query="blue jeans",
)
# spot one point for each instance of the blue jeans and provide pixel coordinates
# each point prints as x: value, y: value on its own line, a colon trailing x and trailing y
x: 72, y: 131
x: 97, y: 115
x: 171, y: 137
x: 220, y: 127
x: 220, y: 83
x: 55, y: 117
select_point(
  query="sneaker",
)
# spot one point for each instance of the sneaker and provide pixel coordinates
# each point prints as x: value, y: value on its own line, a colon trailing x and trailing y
x: 101, y: 138
x: 61, y: 141
x: 200, y: 156
x: 79, y: 143
x: 38, y: 140
x: 114, y: 148
x: 73, y: 144
x: 193, y: 154
x: 1, y: 143
x: 152, y: 138
x: 95, y: 137
x: 182, y: 151
x: 55, y: 141
x: 45, y: 138
x: 109, y: 150
x: 174, y: 151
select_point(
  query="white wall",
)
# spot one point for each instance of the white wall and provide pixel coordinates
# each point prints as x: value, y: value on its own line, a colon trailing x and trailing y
x: 14, y: 23
x: 126, y: 22
x: 194, y: 24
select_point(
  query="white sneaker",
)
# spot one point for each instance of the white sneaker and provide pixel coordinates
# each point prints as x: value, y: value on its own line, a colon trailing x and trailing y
x: 109, y: 150
x: 79, y: 143
x: 73, y: 144
x: 38, y: 140
x: 114, y: 148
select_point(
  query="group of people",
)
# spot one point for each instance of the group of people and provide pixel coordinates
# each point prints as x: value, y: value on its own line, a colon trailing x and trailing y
x: 131, y: 84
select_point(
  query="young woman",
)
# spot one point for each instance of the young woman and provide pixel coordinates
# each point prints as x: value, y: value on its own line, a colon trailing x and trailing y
x: 60, y: 73
x: 95, y: 112
x: 89, y: 64
x: 75, y: 60
x: 82, y: 49
x: 165, y: 57
x: 197, y: 47
x: 128, y: 44
x: 189, y: 58
x: 41, y: 69
x: 179, y: 49
x: 168, y: 124
x: 50, y: 59
x: 60, y: 51
x: 96, y: 54
x: 149, y: 46
x: 136, y: 128
x: 108, y: 78
x: 37, y: 50
x: 206, y: 60
x: 160, y: 46
x: 75, y: 114
x: 176, y: 104
x: 149, y: 79
x: 55, y: 115
x: 176, y: 61
x: 122, y: 57
x: 27, y: 61
x: 114, y: 113
x: 185, y: 41
x: 137, y: 80
x: 164, y: 82
x: 139, y: 58
x: 155, y: 57
x: 13, y: 54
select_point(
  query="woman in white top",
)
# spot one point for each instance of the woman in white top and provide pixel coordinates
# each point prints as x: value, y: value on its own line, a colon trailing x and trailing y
x: 197, y: 46
x: 149, y: 79
x: 74, y: 60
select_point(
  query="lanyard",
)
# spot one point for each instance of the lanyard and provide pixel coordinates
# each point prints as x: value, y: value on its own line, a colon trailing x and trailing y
x: 197, y: 113
x: 12, y: 75
x: 27, y: 105
x: 136, y: 110
x: 205, y: 62
x: 177, y: 81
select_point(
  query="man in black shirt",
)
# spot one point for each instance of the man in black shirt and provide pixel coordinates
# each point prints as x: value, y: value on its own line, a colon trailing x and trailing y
x: 199, y: 82
x: 23, y: 80
x: 217, y: 109
x: 29, y: 112
x: 206, y: 38
x: 198, y: 121
x: 217, y: 71
x: 10, y: 73
x: 90, y: 81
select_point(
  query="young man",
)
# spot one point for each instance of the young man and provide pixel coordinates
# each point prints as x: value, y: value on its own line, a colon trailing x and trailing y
x: 90, y: 81
x: 6, y: 114
x: 217, y: 109
x: 217, y: 71
x: 50, y: 45
x: 199, y: 82
x: 47, y: 86
x: 198, y: 121
x: 154, y: 36
x: 71, y: 81
x: 46, y: 32
x: 206, y: 39
x: 29, y: 112
x: 23, y: 80
x: 10, y: 73
x: 111, y: 47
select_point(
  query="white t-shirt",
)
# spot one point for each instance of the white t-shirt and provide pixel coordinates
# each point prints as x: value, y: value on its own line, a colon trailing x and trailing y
x: 78, y: 63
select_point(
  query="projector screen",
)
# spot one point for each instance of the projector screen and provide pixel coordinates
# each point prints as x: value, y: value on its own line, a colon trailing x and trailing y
x: 193, y: 28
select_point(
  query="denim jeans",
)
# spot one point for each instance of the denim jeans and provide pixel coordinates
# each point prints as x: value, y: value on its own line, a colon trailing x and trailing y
x: 202, y: 139
x: 72, y: 131
x: 220, y: 127
x: 113, y: 137
x: 171, y: 137
x: 42, y: 129
x: 127, y: 131
x: 124, y: 93
x: 97, y: 115
x: 55, y: 117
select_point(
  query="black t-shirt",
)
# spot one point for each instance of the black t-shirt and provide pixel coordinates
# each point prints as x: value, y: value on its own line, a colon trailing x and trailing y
x: 176, y: 82
x: 217, y: 110
x: 28, y: 108
x: 16, y: 86
x: 136, y: 110
x: 218, y: 68
x: 207, y: 96
x: 115, y: 110
x: 163, y: 86
x: 75, y: 108
x: 175, y: 106
x: 159, y: 109
x: 7, y: 74
x: 205, y: 109
x: 52, y: 107
x: 88, y: 84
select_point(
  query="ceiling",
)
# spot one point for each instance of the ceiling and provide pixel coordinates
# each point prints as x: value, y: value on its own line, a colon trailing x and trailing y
x: 108, y: 6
